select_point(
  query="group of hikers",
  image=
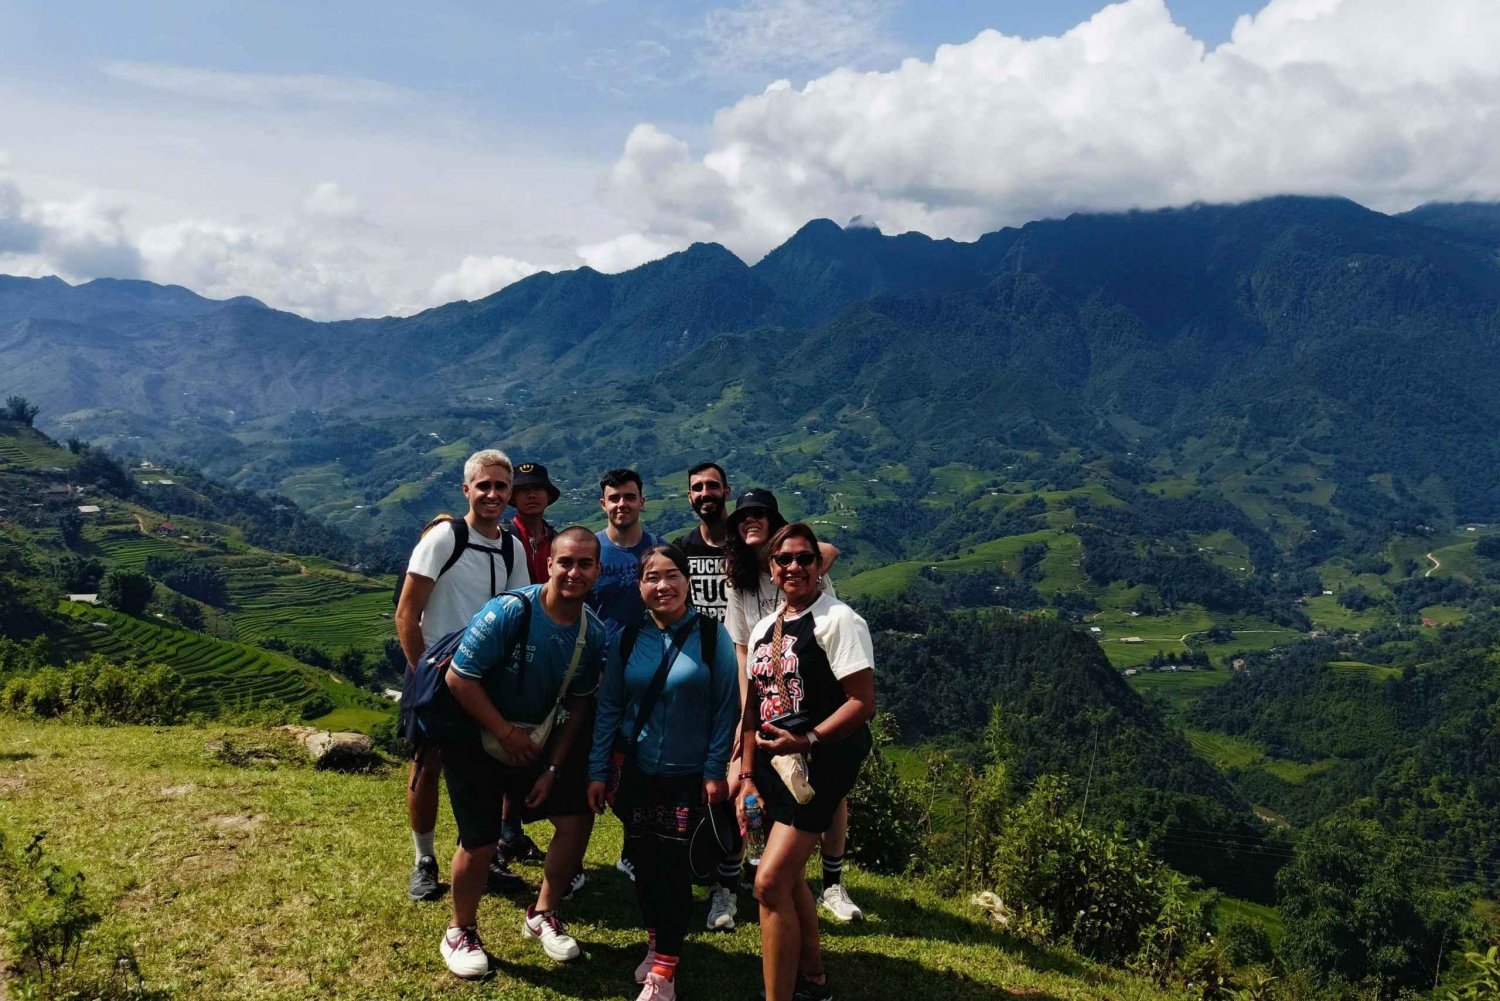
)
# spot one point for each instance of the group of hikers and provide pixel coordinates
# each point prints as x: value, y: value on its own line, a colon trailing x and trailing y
x: 713, y: 693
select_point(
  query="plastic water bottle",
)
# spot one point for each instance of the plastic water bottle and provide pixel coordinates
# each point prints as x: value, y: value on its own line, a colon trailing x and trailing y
x: 755, y: 829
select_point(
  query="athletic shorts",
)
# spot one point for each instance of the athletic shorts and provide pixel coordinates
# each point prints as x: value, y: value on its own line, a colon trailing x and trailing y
x: 832, y: 771
x: 478, y: 785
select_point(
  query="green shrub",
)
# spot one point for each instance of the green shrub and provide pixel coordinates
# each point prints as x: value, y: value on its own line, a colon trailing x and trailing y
x: 1244, y: 941
x: 98, y: 690
x: 1101, y: 892
x: 886, y: 818
x: 52, y: 932
x: 1484, y: 971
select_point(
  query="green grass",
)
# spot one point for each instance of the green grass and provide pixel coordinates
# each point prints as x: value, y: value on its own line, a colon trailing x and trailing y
x: 1180, y: 688
x: 1375, y: 672
x: 288, y: 883
x: 893, y: 578
x: 1267, y: 917
x: 27, y: 447
x: 1223, y: 751
x: 1325, y: 611
x: 357, y: 718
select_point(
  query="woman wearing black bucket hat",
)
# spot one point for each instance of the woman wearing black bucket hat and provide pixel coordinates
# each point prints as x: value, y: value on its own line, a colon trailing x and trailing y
x: 666, y: 722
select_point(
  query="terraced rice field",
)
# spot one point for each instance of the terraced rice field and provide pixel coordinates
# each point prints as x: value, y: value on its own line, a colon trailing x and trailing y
x: 124, y: 546
x: 275, y: 597
x: 23, y: 446
x: 219, y: 675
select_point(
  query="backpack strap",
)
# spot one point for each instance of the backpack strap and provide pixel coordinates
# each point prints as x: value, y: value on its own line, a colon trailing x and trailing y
x: 460, y: 529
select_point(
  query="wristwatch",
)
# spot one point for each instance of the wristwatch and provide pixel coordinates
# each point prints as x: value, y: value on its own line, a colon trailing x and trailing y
x: 812, y: 739
x: 554, y: 769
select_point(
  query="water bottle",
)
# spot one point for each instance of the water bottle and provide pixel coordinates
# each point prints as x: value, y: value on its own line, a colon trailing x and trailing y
x: 755, y: 829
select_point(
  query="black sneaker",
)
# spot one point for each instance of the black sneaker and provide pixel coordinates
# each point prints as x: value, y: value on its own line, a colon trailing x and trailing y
x: 424, y: 884
x: 522, y: 849
x: 805, y: 991
x: 501, y: 879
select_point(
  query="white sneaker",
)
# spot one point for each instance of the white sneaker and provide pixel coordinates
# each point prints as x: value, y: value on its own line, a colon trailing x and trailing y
x: 645, y: 967
x: 835, y: 900
x: 556, y: 942
x: 721, y: 909
x: 575, y: 886
x: 624, y: 866
x: 464, y: 953
x: 657, y: 988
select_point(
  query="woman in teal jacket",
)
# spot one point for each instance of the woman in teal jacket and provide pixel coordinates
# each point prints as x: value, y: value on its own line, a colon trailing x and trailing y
x: 664, y: 767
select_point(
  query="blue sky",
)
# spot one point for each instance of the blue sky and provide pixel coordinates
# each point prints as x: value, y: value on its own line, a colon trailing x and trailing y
x: 341, y: 158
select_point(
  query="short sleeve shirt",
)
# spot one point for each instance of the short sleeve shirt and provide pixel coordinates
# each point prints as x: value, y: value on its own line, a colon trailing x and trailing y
x: 742, y: 609
x: 707, y: 565
x: 616, y: 596
x: 457, y: 594
x: 820, y: 646
x: 524, y: 689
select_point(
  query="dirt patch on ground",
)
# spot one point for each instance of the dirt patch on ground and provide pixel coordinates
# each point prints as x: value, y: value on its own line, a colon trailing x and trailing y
x: 237, y: 823
x: 172, y: 792
x: 12, y: 784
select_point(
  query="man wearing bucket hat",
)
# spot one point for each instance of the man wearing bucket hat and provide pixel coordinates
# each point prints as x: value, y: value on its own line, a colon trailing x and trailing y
x: 752, y: 597
x: 531, y: 493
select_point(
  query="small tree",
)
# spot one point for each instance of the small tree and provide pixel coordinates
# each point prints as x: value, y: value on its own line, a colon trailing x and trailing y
x: 126, y: 592
x: 18, y: 408
x: 70, y: 528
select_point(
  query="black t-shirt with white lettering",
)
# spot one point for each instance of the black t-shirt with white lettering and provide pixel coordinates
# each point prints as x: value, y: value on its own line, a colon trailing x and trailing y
x: 707, y: 565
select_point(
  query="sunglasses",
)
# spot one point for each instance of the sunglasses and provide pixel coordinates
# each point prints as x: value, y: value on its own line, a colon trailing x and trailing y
x: 803, y: 559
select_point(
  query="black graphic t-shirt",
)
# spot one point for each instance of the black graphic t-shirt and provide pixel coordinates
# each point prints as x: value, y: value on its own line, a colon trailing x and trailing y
x: 707, y: 565
x: 820, y: 646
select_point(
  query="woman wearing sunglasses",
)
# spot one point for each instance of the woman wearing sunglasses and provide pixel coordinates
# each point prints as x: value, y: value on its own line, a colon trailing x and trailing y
x: 663, y: 732
x: 811, y: 694
x: 752, y: 595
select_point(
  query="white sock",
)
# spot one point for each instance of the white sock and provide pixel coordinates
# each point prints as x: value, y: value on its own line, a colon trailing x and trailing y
x: 423, y: 843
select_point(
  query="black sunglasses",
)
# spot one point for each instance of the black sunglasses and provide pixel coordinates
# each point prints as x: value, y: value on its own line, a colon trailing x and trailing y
x: 802, y: 559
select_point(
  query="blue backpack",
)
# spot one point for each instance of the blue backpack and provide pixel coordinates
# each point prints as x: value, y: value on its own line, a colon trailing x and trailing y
x: 429, y: 713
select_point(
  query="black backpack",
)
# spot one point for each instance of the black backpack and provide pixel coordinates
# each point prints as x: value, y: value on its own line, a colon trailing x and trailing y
x: 429, y: 713
x: 462, y: 540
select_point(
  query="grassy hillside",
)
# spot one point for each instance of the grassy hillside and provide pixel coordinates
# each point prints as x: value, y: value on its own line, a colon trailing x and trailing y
x: 288, y: 883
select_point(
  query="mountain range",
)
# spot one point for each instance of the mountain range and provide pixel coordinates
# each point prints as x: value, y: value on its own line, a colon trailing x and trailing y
x: 1289, y: 324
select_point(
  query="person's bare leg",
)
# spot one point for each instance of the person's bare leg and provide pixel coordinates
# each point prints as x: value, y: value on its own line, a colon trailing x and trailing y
x: 422, y: 791
x: 564, y: 858
x: 810, y: 955
x: 471, y: 867
x: 784, y: 921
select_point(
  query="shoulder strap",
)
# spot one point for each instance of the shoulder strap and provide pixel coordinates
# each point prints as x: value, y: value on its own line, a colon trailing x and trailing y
x: 578, y: 645
x: 627, y: 642
x: 653, y: 691
x: 508, y: 551
x: 460, y: 530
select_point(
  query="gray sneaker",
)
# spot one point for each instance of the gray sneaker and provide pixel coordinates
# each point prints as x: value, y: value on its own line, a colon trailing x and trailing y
x: 424, y: 884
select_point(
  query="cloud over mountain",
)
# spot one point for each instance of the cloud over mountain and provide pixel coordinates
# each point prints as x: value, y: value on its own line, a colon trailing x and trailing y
x: 1385, y: 101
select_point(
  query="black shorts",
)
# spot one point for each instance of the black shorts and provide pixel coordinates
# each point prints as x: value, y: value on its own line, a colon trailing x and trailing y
x: 478, y: 785
x: 832, y: 771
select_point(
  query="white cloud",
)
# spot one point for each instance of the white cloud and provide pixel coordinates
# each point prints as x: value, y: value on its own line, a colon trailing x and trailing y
x: 625, y: 252
x: 331, y: 202
x: 477, y: 277
x: 261, y: 90
x: 793, y: 36
x: 1390, y: 102
x: 82, y: 238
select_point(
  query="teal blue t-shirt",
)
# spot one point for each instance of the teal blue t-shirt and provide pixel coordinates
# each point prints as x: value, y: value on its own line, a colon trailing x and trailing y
x: 525, y: 688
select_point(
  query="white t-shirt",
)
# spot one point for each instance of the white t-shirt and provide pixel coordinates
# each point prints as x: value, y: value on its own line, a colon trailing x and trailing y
x: 745, y: 608
x: 464, y: 589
